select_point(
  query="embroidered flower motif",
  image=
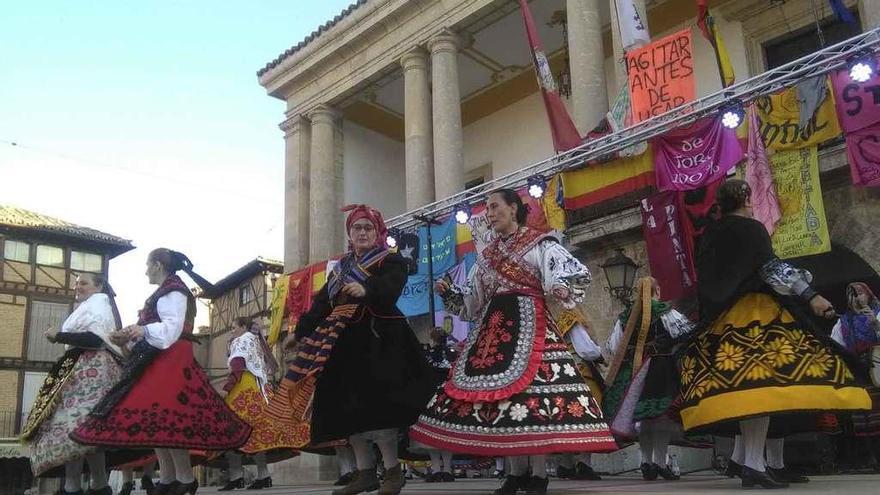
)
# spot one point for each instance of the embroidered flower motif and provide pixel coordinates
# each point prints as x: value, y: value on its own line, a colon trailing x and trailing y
x: 532, y: 402
x: 518, y: 412
x: 576, y: 409
x: 730, y: 356
x: 820, y: 364
x: 464, y: 409
x: 688, y: 369
x: 754, y: 332
x: 779, y: 353
x: 584, y: 400
x: 569, y: 370
x: 759, y: 371
x: 492, y: 335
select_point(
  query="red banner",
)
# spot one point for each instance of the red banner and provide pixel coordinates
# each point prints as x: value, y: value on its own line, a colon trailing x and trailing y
x: 671, y: 262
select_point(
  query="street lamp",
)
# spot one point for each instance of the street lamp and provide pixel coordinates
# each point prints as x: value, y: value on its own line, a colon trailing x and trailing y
x: 620, y: 272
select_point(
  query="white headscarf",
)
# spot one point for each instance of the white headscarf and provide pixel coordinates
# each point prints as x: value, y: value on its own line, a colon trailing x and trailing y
x: 248, y: 347
x: 94, y: 315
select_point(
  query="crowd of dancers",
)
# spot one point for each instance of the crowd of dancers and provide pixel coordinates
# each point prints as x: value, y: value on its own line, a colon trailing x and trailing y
x: 528, y: 381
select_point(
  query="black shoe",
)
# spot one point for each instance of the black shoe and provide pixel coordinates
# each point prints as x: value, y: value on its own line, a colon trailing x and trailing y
x: 649, y: 471
x: 584, y: 472
x: 344, y: 479
x: 537, y: 486
x: 101, y: 491
x: 431, y: 478
x: 147, y: 485
x: 566, y: 473
x: 260, y: 484
x: 230, y: 485
x: 184, y: 488
x: 163, y: 489
x: 78, y: 492
x: 786, y: 475
x: 512, y: 484
x: 127, y: 488
x: 753, y: 479
x: 498, y: 473
x: 666, y: 473
x: 444, y: 477
x: 734, y: 469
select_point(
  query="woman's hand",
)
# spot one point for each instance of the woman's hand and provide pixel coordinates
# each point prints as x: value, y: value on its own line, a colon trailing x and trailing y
x: 119, y: 337
x: 354, y: 290
x: 289, y: 342
x: 822, y: 308
x: 561, y: 292
x: 51, y: 334
x: 441, y: 287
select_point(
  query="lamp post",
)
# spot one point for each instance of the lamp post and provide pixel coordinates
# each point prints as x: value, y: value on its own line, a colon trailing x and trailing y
x: 620, y: 272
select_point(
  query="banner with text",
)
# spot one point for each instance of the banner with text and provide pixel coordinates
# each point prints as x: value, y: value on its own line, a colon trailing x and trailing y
x: 803, y: 229
x: 691, y: 157
x: 671, y: 263
x: 661, y: 75
x: 858, y: 104
x: 779, y: 118
x: 863, y: 153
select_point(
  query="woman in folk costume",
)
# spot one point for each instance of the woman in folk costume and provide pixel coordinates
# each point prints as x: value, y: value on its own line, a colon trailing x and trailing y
x: 74, y: 385
x: 515, y: 390
x: 858, y: 330
x: 573, y: 325
x: 643, y: 376
x: 359, y: 373
x: 164, y: 399
x: 751, y: 358
x: 249, y: 387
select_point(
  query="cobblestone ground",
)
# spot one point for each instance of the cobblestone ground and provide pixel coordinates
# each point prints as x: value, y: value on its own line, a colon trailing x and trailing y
x: 695, y: 484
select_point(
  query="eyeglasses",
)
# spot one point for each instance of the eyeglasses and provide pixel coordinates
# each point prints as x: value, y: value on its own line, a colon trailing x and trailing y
x: 367, y: 227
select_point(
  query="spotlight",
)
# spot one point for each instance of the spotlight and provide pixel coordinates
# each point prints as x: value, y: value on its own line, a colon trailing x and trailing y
x: 392, y: 237
x: 732, y: 115
x: 462, y: 213
x: 862, y: 69
x: 537, y: 186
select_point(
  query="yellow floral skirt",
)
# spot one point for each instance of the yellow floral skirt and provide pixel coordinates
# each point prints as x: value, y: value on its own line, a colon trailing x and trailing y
x: 756, y: 360
x: 269, y: 431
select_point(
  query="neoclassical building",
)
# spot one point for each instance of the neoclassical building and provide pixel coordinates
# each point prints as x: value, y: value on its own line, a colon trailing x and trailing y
x: 398, y: 103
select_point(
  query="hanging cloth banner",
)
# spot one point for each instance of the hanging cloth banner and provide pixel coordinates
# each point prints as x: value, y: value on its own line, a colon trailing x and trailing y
x: 779, y: 117
x: 710, y: 31
x: 858, y: 104
x: 620, y: 117
x: 565, y: 134
x: 661, y: 75
x: 552, y: 204
x: 863, y: 153
x: 803, y: 229
x: 765, y: 203
x: 632, y: 30
x: 442, y: 247
x: 671, y: 263
x: 277, y: 308
x: 597, y: 183
x: 693, y: 156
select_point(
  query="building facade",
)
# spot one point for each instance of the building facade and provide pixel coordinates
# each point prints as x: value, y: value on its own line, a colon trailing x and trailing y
x: 401, y: 103
x: 40, y: 258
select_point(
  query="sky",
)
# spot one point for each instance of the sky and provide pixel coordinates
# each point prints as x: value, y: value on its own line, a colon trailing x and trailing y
x: 145, y: 120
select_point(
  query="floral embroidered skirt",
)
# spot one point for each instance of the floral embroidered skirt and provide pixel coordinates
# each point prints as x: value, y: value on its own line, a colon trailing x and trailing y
x: 269, y: 433
x: 514, y: 390
x: 80, y: 384
x: 757, y: 360
x: 170, y: 405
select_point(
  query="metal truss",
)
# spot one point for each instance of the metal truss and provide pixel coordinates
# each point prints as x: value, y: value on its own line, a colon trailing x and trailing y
x: 817, y: 63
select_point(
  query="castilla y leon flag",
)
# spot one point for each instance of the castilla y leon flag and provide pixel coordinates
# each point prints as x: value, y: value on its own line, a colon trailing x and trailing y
x: 565, y: 134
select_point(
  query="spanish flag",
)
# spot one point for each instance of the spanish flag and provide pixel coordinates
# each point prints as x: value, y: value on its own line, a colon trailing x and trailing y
x: 707, y: 26
x: 600, y: 182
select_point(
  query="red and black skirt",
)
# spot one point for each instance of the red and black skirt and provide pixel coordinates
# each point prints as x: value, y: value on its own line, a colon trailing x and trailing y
x: 515, y: 390
x: 163, y: 401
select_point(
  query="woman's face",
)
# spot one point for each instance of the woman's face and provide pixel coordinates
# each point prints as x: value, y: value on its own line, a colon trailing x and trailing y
x: 501, y: 216
x: 155, y: 273
x: 363, y: 235
x: 85, y: 287
x: 237, y: 329
x: 862, y: 298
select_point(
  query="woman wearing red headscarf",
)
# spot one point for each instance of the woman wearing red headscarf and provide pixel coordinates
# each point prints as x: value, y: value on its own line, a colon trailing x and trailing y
x: 358, y: 358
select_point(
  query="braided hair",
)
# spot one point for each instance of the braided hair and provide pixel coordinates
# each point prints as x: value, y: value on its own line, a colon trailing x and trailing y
x: 174, y: 261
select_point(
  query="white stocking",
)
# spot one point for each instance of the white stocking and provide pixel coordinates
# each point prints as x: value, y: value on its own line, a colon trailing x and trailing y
x: 447, y: 460
x: 587, y: 459
x: 775, y: 449
x: 166, y: 466
x: 234, y: 461
x: 739, y: 453
x: 345, y: 460
x: 660, y: 446
x: 73, y: 475
x: 566, y: 461
x: 262, y: 468
x: 150, y: 470
x: 127, y: 475
x: 97, y: 471
x: 436, y: 462
x: 363, y: 453
x: 182, y: 468
x: 539, y: 465
x: 388, y: 447
x: 754, y: 433
x: 646, y: 444
x: 519, y: 465
x: 499, y: 463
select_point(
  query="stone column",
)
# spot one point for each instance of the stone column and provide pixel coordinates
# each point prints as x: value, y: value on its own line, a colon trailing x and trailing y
x: 869, y: 10
x: 324, y: 214
x: 297, y: 151
x: 418, y: 130
x: 589, y: 95
x: 446, y: 106
x: 619, y: 64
